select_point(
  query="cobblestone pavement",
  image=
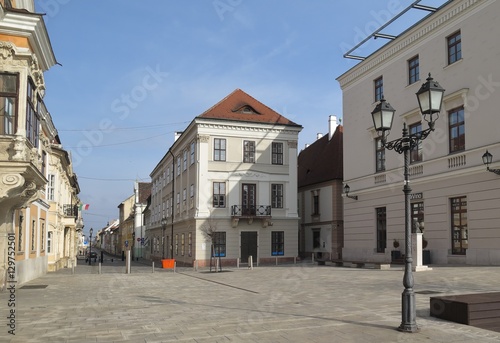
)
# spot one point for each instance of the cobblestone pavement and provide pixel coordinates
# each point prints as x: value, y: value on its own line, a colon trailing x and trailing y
x: 292, y: 303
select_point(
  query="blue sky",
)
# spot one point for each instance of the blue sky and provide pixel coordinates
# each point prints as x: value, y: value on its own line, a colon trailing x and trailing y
x: 133, y: 72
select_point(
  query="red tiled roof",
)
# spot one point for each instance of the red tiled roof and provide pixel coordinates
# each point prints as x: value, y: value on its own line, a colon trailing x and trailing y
x: 322, y: 161
x: 240, y: 106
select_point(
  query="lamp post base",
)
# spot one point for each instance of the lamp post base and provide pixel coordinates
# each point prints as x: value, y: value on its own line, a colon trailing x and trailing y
x: 408, y: 320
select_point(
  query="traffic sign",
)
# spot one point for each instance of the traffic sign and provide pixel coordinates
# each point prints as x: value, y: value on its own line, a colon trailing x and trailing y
x: 126, y: 243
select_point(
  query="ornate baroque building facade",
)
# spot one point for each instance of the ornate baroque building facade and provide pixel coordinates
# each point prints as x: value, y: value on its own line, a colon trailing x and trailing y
x: 29, y: 150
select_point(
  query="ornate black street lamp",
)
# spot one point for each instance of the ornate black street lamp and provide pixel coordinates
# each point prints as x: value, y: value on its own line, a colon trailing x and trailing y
x: 347, y: 189
x: 90, y: 245
x: 430, y: 99
x: 163, y: 227
x: 487, y: 159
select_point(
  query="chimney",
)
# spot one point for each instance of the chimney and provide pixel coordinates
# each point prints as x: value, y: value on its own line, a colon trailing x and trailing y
x: 332, y: 125
x: 177, y: 134
x: 319, y: 135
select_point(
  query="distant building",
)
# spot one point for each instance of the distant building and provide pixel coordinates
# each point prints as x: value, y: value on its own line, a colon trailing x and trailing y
x: 455, y: 201
x: 142, y: 191
x: 229, y: 179
x: 320, y: 177
x: 126, y: 219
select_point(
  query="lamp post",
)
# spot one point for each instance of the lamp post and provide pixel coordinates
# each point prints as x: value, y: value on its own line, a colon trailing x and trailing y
x: 90, y: 245
x: 163, y: 227
x: 487, y: 159
x: 430, y: 99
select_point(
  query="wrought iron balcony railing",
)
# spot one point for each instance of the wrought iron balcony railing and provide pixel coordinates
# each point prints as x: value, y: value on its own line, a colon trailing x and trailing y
x: 70, y: 210
x: 250, y: 211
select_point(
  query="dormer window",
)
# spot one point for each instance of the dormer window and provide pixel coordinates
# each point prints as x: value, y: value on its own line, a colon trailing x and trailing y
x: 245, y: 109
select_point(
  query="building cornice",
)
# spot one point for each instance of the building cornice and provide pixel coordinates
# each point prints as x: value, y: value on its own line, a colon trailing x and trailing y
x: 411, y: 37
x: 31, y: 26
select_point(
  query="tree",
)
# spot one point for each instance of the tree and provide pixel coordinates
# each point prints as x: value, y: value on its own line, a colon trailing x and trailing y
x: 209, y: 231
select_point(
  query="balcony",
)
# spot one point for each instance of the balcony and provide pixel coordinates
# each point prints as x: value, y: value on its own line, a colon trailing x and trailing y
x: 70, y: 210
x: 251, y: 212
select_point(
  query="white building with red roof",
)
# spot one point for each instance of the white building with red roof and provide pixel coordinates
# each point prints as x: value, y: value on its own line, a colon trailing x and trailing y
x: 229, y: 179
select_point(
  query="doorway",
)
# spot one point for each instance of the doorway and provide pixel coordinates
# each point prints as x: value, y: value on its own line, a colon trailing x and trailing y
x: 248, y: 245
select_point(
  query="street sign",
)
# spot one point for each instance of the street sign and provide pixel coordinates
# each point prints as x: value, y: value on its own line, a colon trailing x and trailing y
x: 126, y: 243
x: 142, y: 241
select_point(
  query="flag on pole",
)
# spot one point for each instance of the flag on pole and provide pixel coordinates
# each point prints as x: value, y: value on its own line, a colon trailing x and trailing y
x: 84, y: 207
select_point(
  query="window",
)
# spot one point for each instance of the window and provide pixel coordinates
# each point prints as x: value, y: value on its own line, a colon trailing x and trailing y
x: 168, y: 174
x: 219, y: 194
x: 178, y: 166
x: 381, y: 229
x: 417, y: 217
x: 190, y: 244
x: 379, y: 88
x: 248, y: 151
x: 177, y: 244
x: 454, y: 47
x: 456, y: 124
x: 182, y: 244
x: 459, y: 231
x: 8, y: 101
x: 277, y: 195
x: 191, y: 161
x: 42, y: 236
x: 184, y: 197
x: 315, y: 203
x: 33, y: 232
x: 413, y: 70
x: 49, y: 242
x: 51, y: 187
x: 20, y: 243
x: 277, y: 153
x: 31, y: 116
x: 416, y: 151
x: 184, y: 160
x: 219, y: 149
x: 191, y: 191
x: 277, y: 243
x: 379, y: 155
x: 219, y: 243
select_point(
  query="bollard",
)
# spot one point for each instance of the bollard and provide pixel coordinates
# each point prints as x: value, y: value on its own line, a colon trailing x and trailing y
x: 238, y: 263
x: 100, y: 271
x: 295, y: 260
x: 72, y: 266
x: 128, y: 262
x: 195, y: 265
x: 153, y: 266
x: 250, y: 262
x: 312, y: 257
x: 175, y: 265
x: 216, y: 265
x: 276, y: 261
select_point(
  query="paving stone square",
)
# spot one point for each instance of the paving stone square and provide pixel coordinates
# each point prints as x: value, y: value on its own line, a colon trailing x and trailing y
x: 289, y: 303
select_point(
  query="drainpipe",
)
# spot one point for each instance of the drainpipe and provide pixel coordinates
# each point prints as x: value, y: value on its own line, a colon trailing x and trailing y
x: 172, y: 205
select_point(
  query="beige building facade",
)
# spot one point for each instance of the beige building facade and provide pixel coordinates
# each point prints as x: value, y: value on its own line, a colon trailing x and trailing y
x: 455, y: 201
x: 229, y: 179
